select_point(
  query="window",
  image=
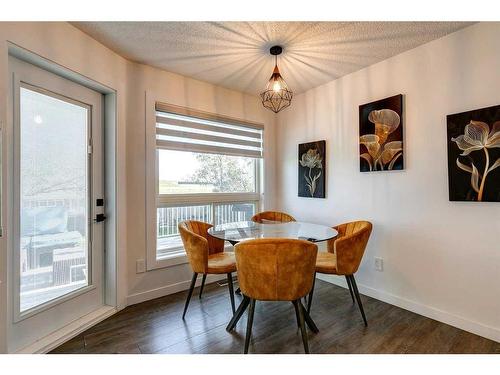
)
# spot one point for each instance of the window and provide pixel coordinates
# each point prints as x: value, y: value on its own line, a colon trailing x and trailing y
x: 207, y: 168
x: 184, y: 172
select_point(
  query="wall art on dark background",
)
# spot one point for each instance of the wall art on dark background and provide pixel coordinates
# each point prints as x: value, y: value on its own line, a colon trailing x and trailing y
x: 473, y: 139
x: 312, y: 164
x: 381, y: 135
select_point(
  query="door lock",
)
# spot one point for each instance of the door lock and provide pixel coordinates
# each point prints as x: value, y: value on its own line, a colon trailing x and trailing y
x: 99, y: 218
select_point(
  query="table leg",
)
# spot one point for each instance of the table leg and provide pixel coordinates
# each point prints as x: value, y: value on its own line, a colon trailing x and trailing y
x: 239, y: 312
x: 310, y: 323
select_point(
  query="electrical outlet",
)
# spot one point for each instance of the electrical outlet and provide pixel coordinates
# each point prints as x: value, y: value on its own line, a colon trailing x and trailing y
x: 140, y: 266
x: 379, y: 264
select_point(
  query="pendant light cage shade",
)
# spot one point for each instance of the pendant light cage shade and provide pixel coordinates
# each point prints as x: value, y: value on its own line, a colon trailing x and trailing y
x: 277, y: 95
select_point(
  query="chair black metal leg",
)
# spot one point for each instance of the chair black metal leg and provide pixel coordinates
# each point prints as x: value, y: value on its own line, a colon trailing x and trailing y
x: 238, y: 290
x: 249, y: 325
x: 310, y: 298
x: 202, y: 284
x: 231, y: 291
x: 356, y: 293
x: 350, y: 287
x: 239, y: 312
x: 190, y: 293
x: 310, y: 323
x: 301, y: 311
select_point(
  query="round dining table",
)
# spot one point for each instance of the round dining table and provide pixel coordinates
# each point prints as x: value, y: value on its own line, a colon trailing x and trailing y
x: 248, y: 230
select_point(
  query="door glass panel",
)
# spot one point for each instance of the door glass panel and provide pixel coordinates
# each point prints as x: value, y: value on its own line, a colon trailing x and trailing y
x: 54, y: 191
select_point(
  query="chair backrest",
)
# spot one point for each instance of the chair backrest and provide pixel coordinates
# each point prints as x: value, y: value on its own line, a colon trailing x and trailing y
x: 272, y: 216
x: 275, y: 269
x: 350, y: 244
x: 198, y: 243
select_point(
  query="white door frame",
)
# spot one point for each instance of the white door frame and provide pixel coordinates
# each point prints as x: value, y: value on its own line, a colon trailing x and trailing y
x: 33, y: 324
x: 38, y: 80
x: 110, y: 160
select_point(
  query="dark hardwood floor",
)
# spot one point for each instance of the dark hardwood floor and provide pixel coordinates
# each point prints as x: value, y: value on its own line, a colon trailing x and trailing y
x: 156, y: 327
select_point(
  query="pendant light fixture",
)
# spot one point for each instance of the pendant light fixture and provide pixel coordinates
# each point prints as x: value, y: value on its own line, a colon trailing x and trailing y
x: 277, y: 95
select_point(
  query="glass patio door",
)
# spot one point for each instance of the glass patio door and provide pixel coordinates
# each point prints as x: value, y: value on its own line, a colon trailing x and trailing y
x: 54, y: 197
x: 58, y: 187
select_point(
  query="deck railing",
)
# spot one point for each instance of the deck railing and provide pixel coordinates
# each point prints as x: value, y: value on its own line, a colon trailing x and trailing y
x: 169, y: 217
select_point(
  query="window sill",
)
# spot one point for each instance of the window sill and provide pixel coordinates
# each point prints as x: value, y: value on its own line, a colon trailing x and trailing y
x: 176, y: 259
x: 171, y: 260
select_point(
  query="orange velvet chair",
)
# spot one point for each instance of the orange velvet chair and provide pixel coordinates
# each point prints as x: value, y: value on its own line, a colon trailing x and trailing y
x: 272, y: 216
x: 206, y: 256
x: 344, y: 256
x: 274, y: 269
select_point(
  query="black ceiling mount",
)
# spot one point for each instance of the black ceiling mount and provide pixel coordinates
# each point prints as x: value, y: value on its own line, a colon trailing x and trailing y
x: 276, y: 50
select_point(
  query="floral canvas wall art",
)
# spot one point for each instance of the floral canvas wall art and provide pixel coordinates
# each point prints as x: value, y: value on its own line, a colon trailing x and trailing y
x: 381, y: 135
x: 474, y: 155
x: 312, y: 163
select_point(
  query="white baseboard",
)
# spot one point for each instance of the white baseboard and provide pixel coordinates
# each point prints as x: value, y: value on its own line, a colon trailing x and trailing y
x: 52, y: 341
x: 168, y: 289
x: 480, y: 329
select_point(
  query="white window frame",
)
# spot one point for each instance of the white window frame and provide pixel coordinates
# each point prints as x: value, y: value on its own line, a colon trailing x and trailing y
x: 154, y: 200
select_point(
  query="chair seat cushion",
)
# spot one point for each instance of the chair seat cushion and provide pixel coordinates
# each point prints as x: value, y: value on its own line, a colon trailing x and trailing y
x: 326, y: 263
x: 221, y: 263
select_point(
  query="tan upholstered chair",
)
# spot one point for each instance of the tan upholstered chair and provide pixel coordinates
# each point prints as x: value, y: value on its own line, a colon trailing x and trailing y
x: 206, y: 256
x: 272, y: 216
x: 275, y: 270
x: 344, y: 256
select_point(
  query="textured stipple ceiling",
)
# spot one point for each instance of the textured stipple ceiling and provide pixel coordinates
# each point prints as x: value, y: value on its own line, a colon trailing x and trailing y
x: 236, y: 54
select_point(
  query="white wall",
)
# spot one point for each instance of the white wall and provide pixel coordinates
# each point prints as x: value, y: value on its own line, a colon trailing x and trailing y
x: 441, y: 258
x: 69, y: 47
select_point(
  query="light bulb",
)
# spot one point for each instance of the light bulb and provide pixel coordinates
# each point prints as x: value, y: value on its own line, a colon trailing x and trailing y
x: 276, y: 86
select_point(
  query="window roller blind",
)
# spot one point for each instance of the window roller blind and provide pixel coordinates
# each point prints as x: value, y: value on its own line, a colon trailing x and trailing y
x: 182, y: 129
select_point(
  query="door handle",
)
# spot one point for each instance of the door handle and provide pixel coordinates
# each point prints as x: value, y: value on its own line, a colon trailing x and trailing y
x: 99, y: 218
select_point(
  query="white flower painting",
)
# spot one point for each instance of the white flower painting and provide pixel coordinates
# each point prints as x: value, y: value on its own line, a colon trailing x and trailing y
x: 474, y: 155
x: 312, y: 169
x: 381, y: 135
